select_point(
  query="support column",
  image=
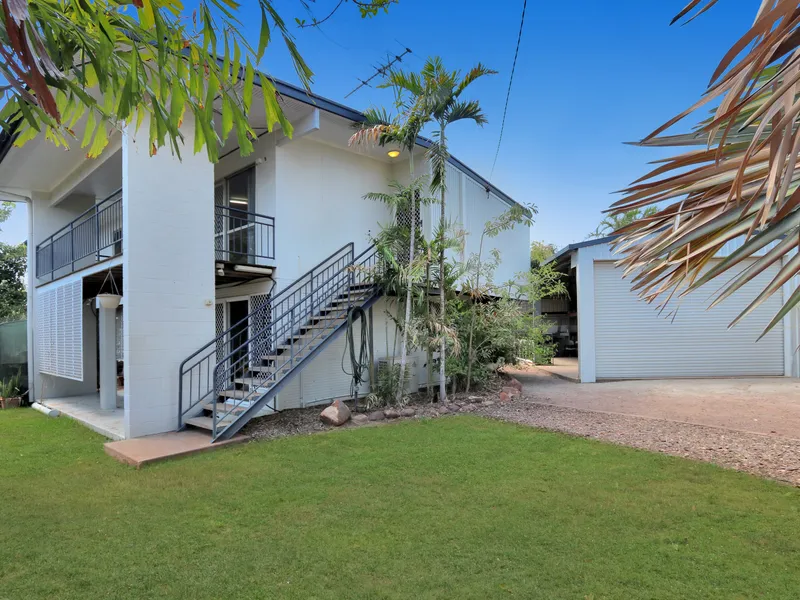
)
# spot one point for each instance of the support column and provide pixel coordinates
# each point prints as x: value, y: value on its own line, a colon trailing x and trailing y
x: 106, y: 318
x: 586, y: 318
x: 168, y: 274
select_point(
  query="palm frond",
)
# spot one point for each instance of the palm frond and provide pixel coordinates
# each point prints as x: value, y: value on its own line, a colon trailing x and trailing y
x: 459, y: 111
x: 473, y: 74
x: 744, y: 184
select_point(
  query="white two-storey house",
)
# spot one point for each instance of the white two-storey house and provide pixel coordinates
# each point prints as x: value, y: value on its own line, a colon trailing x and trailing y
x: 235, y: 277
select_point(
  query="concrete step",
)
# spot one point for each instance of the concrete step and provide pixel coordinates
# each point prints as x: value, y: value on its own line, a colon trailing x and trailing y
x: 318, y: 326
x: 224, y: 408
x: 208, y: 423
x: 238, y: 394
x: 302, y: 350
x: 259, y: 383
x: 271, y: 368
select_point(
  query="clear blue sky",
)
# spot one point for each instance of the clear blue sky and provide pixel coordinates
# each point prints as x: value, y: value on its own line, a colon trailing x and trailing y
x: 590, y: 75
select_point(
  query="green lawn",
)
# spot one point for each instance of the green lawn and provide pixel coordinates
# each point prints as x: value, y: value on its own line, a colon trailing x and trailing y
x: 451, y: 508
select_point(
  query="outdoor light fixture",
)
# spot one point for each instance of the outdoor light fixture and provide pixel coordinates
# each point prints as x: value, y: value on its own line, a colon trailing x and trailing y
x: 393, y: 153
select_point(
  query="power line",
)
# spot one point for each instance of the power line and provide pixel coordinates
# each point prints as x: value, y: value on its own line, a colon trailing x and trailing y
x: 510, y: 80
x: 380, y: 70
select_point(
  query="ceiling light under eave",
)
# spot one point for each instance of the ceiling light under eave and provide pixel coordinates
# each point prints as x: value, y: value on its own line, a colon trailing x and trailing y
x: 393, y: 153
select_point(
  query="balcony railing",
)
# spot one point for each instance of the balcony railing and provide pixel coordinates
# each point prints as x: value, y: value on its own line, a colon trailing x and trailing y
x: 243, y: 237
x: 93, y: 236
x: 239, y: 237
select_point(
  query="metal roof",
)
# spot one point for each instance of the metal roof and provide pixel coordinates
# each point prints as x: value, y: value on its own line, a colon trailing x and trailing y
x: 578, y: 245
x: 303, y: 95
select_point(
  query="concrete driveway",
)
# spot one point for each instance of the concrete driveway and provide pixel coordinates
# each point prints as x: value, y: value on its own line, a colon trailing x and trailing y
x: 769, y: 406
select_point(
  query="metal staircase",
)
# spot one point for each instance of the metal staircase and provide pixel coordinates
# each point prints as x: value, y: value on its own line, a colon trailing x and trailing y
x: 238, y: 374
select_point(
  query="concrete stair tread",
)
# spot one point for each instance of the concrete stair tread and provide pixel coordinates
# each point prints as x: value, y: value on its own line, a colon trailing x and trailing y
x: 207, y: 423
x: 270, y: 369
x: 224, y: 408
x: 239, y: 394
x: 258, y: 382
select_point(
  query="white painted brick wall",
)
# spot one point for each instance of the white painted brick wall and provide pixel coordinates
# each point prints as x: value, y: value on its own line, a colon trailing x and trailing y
x: 168, y: 277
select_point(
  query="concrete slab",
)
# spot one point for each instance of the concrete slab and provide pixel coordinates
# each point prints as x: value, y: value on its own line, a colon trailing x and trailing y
x: 153, y: 448
x: 86, y: 410
x: 767, y: 405
x: 565, y: 367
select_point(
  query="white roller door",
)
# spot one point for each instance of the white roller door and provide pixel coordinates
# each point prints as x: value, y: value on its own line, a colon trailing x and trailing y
x: 633, y: 341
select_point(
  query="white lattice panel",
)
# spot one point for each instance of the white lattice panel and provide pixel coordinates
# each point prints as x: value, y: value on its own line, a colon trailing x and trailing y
x: 261, y: 325
x: 59, y: 325
x: 219, y: 316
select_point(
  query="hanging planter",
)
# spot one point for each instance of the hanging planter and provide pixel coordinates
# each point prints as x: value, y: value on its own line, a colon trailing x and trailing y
x: 111, y: 299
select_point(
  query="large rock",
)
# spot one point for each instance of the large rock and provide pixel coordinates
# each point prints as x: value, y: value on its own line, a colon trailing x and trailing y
x: 408, y: 412
x: 391, y: 413
x: 336, y: 414
x: 360, y: 419
x: 376, y: 416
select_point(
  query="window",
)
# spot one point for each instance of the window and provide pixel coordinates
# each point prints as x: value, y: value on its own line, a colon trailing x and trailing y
x: 234, y: 224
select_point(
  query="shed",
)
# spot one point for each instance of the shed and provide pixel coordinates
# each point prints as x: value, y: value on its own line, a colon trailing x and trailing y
x: 616, y: 335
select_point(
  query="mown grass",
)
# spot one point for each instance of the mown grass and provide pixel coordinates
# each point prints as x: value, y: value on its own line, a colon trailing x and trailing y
x: 451, y: 508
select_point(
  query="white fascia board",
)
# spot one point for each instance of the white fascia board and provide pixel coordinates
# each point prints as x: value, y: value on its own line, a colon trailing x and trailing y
x: 306, y: 125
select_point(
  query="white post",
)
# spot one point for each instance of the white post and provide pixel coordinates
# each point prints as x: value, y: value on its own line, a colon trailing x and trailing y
x: 586, y: 319
x: 168, y: 274
x: 108, y: 357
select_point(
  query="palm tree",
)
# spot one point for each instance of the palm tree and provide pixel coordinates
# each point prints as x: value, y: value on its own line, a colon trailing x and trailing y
x: 616, y: 222
x: 741, y: 180
x: 436, y: 93
x: 403, y: 130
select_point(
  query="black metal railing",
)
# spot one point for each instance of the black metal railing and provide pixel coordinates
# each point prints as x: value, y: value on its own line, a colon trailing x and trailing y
x: 243, y: 237
x: 93, y: 236
x: 286, y: 338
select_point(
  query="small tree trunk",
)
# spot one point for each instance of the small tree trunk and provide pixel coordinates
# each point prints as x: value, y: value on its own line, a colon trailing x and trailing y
x: 428, y: 348
x: 474, y: 311
x: 409, y: 283
x: 442, y: 303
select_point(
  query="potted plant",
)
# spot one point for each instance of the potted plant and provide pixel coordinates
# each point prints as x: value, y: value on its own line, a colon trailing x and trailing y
x: 9, y: 392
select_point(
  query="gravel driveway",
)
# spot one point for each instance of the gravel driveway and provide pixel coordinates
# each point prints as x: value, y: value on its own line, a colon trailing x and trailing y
x: 769, y: 405
x: 767, y: 455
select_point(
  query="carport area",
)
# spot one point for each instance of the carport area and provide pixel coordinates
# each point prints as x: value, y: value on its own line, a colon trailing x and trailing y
x: 765, y: 405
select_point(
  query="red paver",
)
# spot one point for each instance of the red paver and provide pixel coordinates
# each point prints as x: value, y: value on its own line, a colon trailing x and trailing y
x: 153, y: 448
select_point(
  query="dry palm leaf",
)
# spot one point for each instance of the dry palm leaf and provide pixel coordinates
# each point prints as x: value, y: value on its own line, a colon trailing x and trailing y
x: 743, y: 181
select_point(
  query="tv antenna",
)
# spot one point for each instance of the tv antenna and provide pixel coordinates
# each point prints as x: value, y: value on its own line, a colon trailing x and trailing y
x: 381, y: 69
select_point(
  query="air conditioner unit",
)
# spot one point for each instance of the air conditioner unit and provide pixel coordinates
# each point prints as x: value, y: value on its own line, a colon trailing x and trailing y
x: 412, y: 372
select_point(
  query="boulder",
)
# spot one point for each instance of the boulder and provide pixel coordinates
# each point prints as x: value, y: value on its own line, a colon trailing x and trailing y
x: 376, y: 416
x: 336, y: 414
x: 391, y: 413
x: 443, y: 410
x: 408, y: 412
x: 360, y: 419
